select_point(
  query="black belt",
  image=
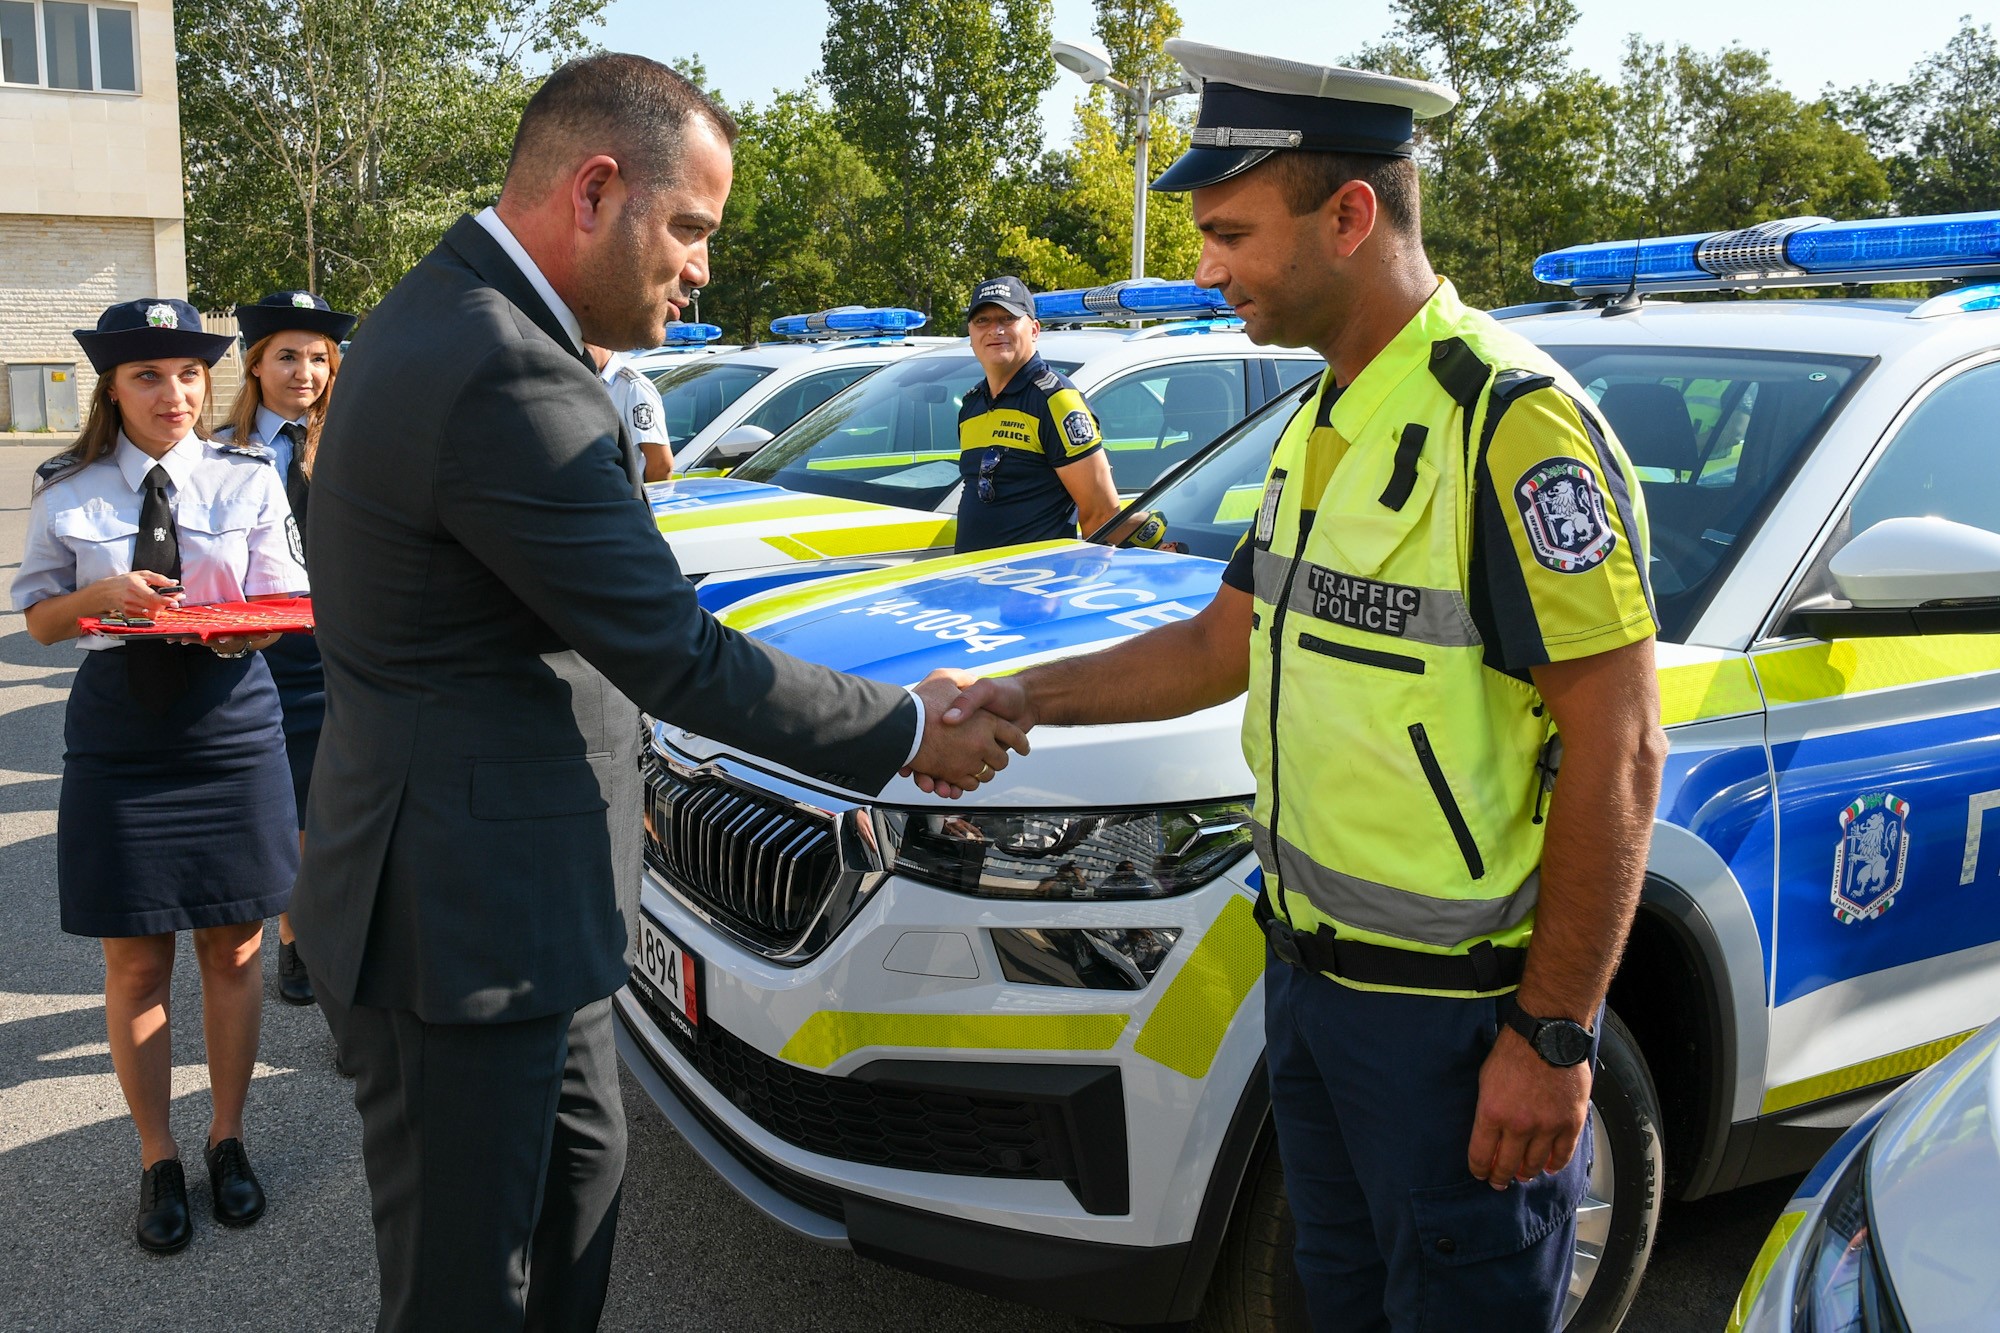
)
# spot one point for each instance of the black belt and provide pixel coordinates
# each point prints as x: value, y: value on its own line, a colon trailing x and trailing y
x: 1481, y: 968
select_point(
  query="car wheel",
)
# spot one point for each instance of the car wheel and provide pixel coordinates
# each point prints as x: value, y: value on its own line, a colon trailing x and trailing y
x: 1255, y: 1290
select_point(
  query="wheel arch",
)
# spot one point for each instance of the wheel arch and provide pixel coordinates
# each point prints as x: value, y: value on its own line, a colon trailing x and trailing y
x: 1691, y: 987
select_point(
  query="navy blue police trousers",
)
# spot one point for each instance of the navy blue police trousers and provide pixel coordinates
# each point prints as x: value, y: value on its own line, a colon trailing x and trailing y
x: 1374, y: 1095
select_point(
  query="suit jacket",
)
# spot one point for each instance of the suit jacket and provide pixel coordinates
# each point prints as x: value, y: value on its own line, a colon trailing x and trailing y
x: 492, y: 599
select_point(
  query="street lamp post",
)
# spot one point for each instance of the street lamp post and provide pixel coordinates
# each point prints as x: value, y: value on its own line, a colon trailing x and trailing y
x: 1092, y: 66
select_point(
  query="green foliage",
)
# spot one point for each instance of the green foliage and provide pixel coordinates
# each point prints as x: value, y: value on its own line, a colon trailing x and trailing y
x: 794, y: 238
x: 1100, y: 195
x: 328, y: 143
x: 1939, y: 133
x: 1538, y: 156
x: 1134, y: 33
x: 940, y: 98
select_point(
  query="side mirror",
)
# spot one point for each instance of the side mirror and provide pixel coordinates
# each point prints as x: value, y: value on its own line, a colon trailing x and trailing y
x: 1911, y: 576
x: 738, y: 445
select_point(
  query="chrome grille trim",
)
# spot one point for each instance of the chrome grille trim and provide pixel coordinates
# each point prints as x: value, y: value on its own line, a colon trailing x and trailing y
x: 768, y: 864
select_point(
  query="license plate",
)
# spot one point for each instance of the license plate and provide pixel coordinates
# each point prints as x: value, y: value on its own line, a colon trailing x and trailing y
x: 671, y: 974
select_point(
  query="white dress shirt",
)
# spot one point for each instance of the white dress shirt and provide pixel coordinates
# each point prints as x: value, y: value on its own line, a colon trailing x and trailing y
x: 236, y: 533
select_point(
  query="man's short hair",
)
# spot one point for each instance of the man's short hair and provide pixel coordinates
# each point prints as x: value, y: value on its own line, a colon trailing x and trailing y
x: 1308, y: 180
x: 636, y: 110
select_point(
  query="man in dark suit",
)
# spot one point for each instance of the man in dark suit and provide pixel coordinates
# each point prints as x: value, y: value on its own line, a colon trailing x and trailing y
x: 493, y: 599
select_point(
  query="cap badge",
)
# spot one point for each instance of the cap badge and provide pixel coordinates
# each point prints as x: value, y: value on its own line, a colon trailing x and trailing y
x: 303, y: 300
x: 162, y: 316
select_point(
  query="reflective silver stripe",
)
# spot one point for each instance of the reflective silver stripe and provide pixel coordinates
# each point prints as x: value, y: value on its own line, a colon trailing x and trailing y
x: 1384, y: 910
x: 1437, y: 616
x: 1223, y: 136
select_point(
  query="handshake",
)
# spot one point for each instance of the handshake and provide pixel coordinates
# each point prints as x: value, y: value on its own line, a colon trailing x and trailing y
x: 969, y: 726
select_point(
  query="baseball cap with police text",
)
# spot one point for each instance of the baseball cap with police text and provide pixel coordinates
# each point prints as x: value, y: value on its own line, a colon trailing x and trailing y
x: 1007, y: 292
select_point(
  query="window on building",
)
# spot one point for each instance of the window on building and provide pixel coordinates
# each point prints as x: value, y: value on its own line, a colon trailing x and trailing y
x: 68, y: 44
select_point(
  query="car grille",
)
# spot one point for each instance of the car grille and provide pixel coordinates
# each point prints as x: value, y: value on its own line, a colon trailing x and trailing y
x: 762, y: 865
x: 880, y: 1124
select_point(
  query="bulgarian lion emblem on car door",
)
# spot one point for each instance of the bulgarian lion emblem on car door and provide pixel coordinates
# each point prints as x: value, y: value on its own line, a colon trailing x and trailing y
x: 1874, y: 848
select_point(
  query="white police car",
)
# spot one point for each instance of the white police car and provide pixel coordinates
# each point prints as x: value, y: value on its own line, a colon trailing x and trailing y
x: 1895, y: 1229
x: 722, y: 410
x: 873, y: 472
x: 1016, y: 1041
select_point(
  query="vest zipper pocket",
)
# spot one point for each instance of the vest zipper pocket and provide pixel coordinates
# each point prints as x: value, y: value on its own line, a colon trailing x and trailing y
x: 1312, y: 643
x: 1434, y: 774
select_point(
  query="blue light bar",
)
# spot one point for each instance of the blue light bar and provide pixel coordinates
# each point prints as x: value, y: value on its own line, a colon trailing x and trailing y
x: 1135, y: 298
x: 849, y: 321
x: 1792, y: 252
x: 691, y: 335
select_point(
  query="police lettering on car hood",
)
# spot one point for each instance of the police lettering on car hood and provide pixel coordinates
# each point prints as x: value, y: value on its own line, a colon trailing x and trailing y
x: 995, y: 612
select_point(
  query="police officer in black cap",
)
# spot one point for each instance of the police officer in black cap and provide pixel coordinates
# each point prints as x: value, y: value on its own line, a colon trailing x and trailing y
x: 1030, y: 456
x: 292, y: 357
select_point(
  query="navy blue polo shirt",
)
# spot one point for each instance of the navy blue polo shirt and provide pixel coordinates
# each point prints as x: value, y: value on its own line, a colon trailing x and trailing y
x: 1014, y: 441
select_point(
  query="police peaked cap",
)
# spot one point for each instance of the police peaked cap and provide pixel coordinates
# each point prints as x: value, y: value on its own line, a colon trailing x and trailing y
x: 148, y: 329
x: 1253, y: 106
x: 292, y: 310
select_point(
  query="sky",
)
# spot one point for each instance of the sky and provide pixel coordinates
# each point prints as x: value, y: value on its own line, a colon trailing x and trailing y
x: 754, y: 46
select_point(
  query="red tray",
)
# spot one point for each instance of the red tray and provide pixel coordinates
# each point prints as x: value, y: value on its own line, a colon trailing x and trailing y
x: 215, y: 620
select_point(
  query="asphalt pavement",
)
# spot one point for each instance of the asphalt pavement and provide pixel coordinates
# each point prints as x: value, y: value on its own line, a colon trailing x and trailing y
x: 691, y: 1255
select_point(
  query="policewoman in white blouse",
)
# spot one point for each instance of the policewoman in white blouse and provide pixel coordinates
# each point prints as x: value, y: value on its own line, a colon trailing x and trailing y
x: 291, y: 359
x: 176, y: 808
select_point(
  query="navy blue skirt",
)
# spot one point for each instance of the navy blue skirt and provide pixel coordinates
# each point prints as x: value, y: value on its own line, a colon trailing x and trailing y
x: 175, y: 822
x: 295, y: 666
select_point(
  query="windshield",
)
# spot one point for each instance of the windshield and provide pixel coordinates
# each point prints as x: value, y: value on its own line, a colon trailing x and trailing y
x: 695, y: 394
x: 891, y: 439
x: 1208, y: 505
x: 1714, y: 434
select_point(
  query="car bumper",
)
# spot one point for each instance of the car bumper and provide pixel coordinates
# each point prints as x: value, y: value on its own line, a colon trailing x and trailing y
x: 1095, y: 1235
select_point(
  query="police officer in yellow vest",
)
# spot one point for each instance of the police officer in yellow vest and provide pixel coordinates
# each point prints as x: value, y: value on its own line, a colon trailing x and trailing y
x: 1030, y: 456
x: 1442, y: 618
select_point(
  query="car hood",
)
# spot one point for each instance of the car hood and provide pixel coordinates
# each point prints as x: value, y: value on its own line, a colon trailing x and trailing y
x: 995, y: 612
x: 1934, y: 1190
x: 717, y: 523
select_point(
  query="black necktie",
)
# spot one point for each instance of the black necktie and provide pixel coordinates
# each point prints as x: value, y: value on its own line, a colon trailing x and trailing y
x: 295, y: 476
x: 157, y: 672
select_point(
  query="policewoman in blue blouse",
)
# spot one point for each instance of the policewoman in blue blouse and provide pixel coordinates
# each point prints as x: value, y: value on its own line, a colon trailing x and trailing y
x: 292, y: 358
x: 176, y: 807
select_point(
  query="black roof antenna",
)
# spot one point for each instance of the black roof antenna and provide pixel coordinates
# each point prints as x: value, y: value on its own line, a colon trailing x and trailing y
x: 1630, y: 300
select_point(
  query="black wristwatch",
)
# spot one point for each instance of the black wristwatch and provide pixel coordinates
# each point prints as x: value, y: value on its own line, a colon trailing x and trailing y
x: 1557, y: 1040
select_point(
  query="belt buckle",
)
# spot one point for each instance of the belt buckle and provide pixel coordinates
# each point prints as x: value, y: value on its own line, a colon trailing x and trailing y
x: 1284, y: 942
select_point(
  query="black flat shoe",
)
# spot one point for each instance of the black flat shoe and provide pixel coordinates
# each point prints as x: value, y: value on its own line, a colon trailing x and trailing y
x: 239, y: 1199
x: 164, y: 1226
x: 294, y: 986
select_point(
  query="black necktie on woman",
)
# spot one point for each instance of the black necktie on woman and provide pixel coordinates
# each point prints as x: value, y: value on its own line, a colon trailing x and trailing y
x: 156, y: 671
x: 296, y: 487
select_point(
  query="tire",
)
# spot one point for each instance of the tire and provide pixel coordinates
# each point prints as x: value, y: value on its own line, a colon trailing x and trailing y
x: 1254, y: 1288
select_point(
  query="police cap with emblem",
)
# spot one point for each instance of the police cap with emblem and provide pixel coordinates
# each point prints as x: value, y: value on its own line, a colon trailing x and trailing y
x: 1009, y: 293
x: 292, y: 310
x: 149, y: 328
x: 1253, y: 106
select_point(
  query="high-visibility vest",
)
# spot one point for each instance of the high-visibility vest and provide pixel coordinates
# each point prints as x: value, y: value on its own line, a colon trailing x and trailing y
x: 1400, y: 781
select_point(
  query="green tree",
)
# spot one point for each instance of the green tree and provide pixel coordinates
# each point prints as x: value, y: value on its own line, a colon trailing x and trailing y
x: 940, y: 98
x: 792, y: 240
x: 328, y: 142
x: 1100, y: 196
x: 1134, y: 33
x: 1939, y: 133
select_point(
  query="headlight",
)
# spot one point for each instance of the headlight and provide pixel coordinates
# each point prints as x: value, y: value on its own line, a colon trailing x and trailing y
x: 1842, y: 1285
x: 1068, y: 855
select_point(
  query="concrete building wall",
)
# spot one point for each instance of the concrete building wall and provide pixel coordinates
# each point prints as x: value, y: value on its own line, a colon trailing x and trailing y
x: 91, y: 205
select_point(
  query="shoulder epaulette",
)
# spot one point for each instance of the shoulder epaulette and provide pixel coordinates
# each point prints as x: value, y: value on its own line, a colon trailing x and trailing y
x: 1048, y: 381
x: 52, y: 468
x: 262, y: 453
